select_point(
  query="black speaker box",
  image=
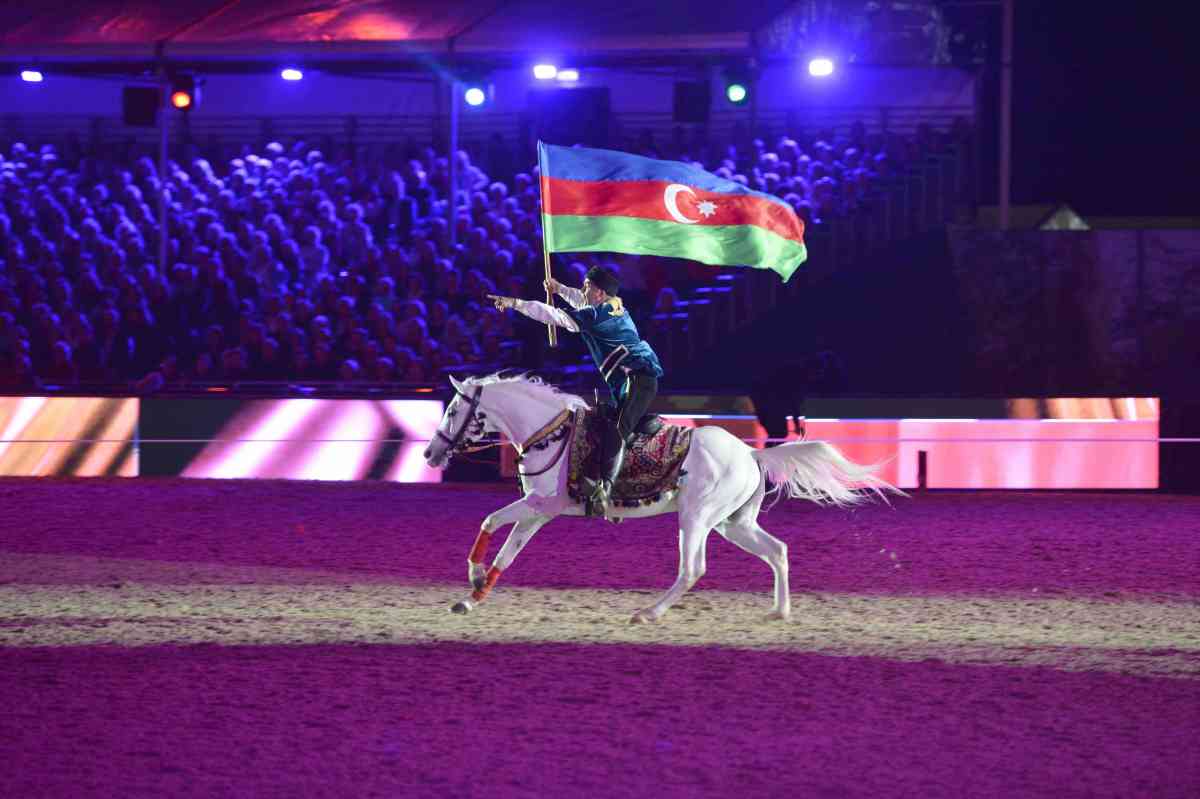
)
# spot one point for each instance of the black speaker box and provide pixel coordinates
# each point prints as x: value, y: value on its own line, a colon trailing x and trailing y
x: 139, y: 106
x: 692, y: 101
x: 570, y: 116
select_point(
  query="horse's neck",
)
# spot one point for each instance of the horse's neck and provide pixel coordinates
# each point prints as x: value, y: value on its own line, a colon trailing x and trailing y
x: 521, y: 414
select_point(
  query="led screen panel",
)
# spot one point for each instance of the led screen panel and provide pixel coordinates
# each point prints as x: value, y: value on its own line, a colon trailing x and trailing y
x: 68, y: 436
x: 301, y: 439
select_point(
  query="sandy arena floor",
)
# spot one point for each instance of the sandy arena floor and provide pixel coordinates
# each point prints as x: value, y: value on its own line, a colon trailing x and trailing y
x: 167, y: 637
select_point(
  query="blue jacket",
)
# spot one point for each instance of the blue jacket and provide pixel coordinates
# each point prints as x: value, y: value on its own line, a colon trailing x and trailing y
x: 615, y: 345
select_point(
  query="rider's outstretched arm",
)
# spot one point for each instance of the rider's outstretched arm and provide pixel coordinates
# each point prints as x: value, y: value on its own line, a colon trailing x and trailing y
x: 546, y: 314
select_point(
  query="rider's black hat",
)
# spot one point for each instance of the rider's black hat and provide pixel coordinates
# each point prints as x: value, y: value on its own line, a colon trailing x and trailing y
x: 604, y: 278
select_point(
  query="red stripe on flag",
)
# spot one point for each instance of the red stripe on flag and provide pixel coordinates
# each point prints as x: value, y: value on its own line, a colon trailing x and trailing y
x: 647, y: 199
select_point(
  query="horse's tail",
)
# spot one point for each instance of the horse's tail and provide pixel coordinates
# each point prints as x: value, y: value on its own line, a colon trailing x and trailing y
x: 817, y: 471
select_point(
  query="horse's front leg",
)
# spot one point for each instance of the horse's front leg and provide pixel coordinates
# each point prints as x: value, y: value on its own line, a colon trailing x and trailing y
x: 518, y: 537
x: 528, y: 515
x: 524, y: 508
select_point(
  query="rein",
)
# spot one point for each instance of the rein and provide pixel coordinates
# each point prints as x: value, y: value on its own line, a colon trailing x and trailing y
x: 465, y: 451
x: 558, y: 428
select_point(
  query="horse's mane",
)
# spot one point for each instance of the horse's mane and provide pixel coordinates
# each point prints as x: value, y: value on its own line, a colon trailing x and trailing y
x: 532, y: 382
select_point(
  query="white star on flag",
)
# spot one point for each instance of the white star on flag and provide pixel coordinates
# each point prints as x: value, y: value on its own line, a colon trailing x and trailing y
x: 706, y: 208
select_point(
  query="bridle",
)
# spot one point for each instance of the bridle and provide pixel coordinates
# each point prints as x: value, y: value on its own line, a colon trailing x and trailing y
x: 558, y: 429
x: 474, y: 422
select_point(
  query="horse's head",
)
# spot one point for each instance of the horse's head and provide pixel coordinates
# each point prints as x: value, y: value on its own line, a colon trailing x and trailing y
x: 461, y: 425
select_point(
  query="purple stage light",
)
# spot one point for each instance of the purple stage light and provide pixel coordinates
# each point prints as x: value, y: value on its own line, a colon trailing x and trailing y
x: 291, y: 73
x: 568, y: 75
x: 545, y: 71
x: 31, y: 76
x: 474, y: 96
x: 820, y: 67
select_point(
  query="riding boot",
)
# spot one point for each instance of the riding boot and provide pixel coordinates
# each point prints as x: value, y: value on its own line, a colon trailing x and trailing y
x: 601, y: 500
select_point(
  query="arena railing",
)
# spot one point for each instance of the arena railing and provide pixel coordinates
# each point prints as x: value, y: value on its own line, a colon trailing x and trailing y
x: 473, y: 128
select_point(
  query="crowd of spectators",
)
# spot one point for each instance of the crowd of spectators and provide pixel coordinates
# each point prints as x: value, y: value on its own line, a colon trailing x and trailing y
x: 821, y: 177
x: 307, y: 264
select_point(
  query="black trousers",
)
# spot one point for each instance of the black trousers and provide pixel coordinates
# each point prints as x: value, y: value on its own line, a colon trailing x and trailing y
x: 642, y: 390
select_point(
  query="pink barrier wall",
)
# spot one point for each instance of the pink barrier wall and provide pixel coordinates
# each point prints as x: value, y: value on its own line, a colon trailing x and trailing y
x: 983, y: 453
x: 345, y: 440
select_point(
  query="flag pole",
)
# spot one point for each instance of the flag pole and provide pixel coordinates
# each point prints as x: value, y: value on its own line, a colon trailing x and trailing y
x: 551, y: 330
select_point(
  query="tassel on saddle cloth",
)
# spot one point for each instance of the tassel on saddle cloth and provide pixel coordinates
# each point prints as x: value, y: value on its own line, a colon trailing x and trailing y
x: 653, y: 464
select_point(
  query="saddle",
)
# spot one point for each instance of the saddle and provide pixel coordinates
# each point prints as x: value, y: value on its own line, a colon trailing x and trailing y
x: 649, y: 425
x: 653, y: 462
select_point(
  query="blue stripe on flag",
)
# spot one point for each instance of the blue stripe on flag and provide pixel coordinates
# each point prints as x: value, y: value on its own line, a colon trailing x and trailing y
x: 587, y: 163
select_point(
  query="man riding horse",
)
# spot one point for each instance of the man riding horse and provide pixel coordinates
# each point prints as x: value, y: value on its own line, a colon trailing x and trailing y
x: 627, y: 364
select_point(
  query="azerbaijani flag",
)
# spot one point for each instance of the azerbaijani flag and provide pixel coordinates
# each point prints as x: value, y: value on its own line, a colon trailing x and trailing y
x: 604, y: 200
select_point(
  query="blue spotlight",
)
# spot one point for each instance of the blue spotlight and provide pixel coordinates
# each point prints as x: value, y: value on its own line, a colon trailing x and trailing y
x: 545, y: 71
x: 31, y: 76
x: 474, y: 96
x: 736, y: 93
x: 291, y: 73
x: 820, y: 67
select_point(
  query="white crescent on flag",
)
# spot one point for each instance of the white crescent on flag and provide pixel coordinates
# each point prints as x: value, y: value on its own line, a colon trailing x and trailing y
x: 671, y: 200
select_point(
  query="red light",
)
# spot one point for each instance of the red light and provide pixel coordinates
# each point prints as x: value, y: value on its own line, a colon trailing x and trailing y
x: 181, y: 100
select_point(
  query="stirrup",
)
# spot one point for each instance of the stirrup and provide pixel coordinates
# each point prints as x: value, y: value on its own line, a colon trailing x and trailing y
x: 599, y: 504
x: 599, y: 500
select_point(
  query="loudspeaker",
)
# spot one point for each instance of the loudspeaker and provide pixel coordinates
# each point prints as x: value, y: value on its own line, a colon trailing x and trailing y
x: 570, y: 116
x: 692, y: 100
x: 139, y: 106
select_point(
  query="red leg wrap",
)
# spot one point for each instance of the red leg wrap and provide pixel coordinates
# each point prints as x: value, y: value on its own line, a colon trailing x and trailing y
x: 479, y: 551
x: 492, y: 576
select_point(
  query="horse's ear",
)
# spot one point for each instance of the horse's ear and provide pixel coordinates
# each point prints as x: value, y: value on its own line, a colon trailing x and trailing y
x: 457, y: 385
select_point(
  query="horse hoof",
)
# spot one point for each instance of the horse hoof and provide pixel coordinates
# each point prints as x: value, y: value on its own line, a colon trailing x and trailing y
x: 460, y: 607
x: 777, y: 615
x: 642, y: 617
x: 477, y: 582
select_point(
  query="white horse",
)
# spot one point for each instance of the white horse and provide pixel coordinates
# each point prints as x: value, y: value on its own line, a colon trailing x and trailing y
x: 723, y: 488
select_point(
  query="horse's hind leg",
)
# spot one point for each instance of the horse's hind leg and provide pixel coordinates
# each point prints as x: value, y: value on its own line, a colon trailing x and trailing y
x: 746, y: 534
x: 719, y: 484
x: 693, y: 537
x: 743, y: 531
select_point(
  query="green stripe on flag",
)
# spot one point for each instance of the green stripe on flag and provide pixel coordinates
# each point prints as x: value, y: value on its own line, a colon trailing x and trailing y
x: 719, y: 245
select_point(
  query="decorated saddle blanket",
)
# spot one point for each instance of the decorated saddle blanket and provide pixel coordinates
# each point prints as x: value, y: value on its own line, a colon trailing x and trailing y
x: 653, y: 464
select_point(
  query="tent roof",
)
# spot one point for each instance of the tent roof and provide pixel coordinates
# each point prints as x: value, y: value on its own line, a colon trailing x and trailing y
x: 97, y: 34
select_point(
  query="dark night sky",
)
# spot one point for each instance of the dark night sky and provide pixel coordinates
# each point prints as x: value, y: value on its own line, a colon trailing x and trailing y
x: 1104, y: 107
